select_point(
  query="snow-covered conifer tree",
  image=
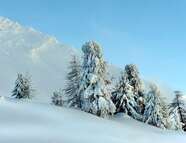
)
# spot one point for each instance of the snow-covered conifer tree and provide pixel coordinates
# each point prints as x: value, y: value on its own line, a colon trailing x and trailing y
x: 72, y: 87
x: 94, y: 96
x: 178, y: 111
x: 132, y: 77
x: 128, y: 93
x: 155, y: 112
x: 22, y: 87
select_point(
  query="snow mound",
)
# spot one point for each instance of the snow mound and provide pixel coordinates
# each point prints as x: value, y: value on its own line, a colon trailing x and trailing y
x: 29, y: 122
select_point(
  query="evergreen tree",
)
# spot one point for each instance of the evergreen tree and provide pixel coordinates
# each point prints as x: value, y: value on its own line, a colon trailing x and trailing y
x: 22, y: 87
x: 178, y: 111
x: 72, y: 87
x: 128, y: 93
x: 133, y: 79
x: 94, y: 96
x: 156, y: 112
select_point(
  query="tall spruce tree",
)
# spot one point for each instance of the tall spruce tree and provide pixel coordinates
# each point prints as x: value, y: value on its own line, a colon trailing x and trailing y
x: 156, y: 111
x: 133, y: 79
x: 22, y: 87
x: 128, y: 93
x: 72, y: 87
x: 94, y: 96
x: 178, y: 111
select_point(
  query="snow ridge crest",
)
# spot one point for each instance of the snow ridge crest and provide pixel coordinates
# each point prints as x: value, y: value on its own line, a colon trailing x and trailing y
x: 7, y: 24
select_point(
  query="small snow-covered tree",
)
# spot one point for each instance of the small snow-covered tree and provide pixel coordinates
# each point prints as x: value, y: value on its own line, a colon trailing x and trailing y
x: 174, y: 118
x: 94, y: 96
x: 22, y: 87
x: 72, y: 87
x: 156, y: 112
x: 57, y: 98
x: 178, y: 111
x: 128, y: 93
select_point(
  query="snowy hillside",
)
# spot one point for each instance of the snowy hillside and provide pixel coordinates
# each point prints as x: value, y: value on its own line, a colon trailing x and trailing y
x: 23, y: 122
x: 26, y: 50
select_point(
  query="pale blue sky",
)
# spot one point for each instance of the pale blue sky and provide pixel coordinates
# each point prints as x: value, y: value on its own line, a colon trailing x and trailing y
x: 149, y: 33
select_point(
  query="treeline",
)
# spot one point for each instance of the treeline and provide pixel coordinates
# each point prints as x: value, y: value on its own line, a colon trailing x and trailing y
x: 89, y: 89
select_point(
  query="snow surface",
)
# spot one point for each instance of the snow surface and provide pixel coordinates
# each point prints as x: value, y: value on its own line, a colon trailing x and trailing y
x: 24, y: 49
x: 29, y: 122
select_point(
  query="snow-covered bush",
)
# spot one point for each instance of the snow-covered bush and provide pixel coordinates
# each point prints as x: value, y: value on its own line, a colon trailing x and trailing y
x: 22, y: 87
x: 178, y: 112
x: 156, y: 112
x: 128, y: 93
x: 57, y: 98
x: 72, y: 87
x: 94, y: 96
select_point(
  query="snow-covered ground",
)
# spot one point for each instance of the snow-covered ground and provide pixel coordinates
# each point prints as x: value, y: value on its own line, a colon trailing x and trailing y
x: 29, y: 122
x: 23, y: 50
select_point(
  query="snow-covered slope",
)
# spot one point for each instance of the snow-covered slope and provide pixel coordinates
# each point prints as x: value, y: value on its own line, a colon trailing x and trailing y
x: 26, y: 50
x: 23, y: 122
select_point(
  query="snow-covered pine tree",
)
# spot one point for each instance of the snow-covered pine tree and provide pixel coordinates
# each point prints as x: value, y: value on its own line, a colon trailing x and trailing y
x: 133, y: 79
x: 73, y: 80
x: 178, y: 111
x: 156, y: 112
x: 128, y: 93
x: 22, y: 87
x: 94, y: 96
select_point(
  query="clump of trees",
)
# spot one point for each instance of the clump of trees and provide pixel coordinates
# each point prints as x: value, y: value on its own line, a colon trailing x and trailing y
x: 86, y: 84
x: 87, y: 88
